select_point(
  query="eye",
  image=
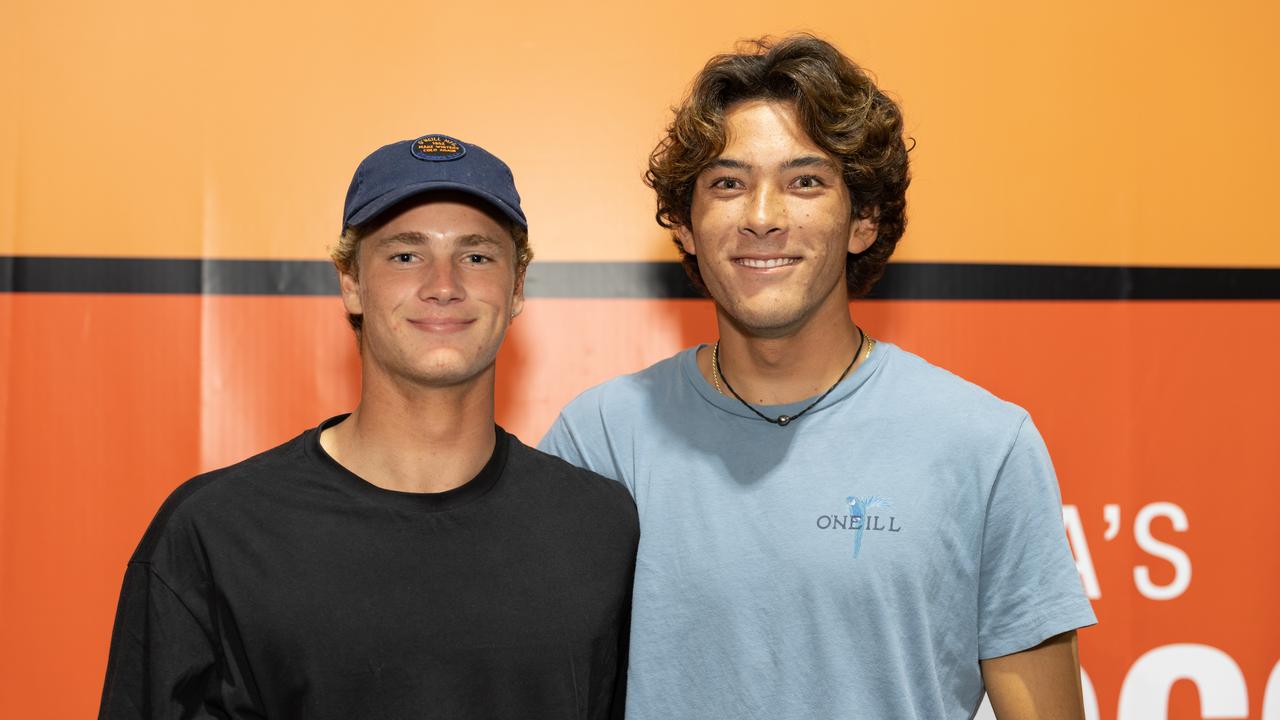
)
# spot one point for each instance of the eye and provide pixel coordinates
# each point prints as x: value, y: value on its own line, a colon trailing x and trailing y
x: 476, y: 259
x: 727, y: 183
x: 808, y: 181
x: 404, y: 257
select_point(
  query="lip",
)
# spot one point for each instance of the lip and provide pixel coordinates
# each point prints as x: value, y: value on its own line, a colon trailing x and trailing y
x: 765, y: 263
x: 441, y: 325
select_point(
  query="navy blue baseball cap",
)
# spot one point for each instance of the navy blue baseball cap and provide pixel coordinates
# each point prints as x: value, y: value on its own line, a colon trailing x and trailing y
x: 399, y: 171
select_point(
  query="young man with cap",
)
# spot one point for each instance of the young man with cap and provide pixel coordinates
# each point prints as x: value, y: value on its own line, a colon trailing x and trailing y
x: 410, y: 559
x: 832, y: 527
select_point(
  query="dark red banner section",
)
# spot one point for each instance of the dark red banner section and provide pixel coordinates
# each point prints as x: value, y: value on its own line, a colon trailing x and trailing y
x: 1161, y: 418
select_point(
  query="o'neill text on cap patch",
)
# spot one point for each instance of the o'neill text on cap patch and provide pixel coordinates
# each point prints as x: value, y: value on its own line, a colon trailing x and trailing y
x: 437, y: 148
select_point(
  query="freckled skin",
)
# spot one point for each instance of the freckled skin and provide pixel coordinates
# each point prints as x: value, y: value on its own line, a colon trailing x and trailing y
x: 761, y: 207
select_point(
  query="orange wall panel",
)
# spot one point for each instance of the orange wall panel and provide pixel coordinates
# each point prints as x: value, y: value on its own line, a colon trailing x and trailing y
x: 1082, y: 133
x: 102, y: 418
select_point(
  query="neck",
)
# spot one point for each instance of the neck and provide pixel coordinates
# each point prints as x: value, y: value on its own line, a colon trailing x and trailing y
x: 775, y: 370
x: 411, y: 438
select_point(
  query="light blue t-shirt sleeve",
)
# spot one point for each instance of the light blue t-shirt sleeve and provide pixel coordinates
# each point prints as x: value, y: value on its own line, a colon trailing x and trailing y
x: 578, y: 437
x: 1029, y: 589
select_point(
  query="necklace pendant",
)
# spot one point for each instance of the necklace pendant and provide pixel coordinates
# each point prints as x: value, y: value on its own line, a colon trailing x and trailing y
x: 783, y: 420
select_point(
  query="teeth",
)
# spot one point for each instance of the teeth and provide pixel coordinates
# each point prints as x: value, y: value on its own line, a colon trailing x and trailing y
x: 770, y: 263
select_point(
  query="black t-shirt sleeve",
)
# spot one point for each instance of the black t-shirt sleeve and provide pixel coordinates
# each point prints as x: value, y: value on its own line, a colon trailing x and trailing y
x: 162, y: 663
x: 618, y: 708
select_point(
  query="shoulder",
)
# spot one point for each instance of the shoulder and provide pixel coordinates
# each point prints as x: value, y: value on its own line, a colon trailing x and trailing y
x: 934, y: 397
x: 626, y: 393
x: 599, y: 428
x: 211, y: 495
x: 565, y: 484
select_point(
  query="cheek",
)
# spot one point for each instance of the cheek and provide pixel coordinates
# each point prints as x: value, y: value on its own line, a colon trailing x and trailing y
x: 494, y: 291
x: 389, y: 296
x: 721, y: 224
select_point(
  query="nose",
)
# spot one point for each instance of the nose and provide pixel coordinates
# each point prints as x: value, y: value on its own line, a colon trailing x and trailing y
x: 765, y: 213
x: 442, y: 283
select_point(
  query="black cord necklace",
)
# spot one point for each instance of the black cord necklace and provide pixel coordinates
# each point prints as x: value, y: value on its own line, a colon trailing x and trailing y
x: 784, y: 420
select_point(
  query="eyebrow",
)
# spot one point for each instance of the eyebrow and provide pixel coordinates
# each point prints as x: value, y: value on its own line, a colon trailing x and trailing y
x: 728, y: 163
x: 474, y: 240
x: 808, y: 161
x: 411, y: 237
x: 803, y: 161
x: 403, y: 238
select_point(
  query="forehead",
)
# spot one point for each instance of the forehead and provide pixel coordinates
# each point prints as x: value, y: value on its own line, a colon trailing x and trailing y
x: 442, y: 218
x: 766, y: 130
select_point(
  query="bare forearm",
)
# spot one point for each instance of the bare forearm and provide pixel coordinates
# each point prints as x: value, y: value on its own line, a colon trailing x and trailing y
x: 1042, y: 683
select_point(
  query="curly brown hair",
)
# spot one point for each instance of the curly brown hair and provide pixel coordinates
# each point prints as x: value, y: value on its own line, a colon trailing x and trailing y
x: 840, y: 108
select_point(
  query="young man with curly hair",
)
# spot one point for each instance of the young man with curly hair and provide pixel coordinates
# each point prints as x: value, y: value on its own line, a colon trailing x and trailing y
x: 831, y: 526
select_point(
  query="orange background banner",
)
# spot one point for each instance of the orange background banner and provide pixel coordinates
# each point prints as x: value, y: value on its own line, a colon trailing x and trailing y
x: 1089, y: 134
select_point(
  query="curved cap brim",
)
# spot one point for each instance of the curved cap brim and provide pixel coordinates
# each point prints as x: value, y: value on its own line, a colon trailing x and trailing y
x: 376, y: 207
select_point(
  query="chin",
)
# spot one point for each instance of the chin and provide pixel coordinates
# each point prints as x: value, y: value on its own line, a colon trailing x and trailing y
x: 441, y: 377
x: 765, y: 318
x: 781, y: 309
x: 445, y: 368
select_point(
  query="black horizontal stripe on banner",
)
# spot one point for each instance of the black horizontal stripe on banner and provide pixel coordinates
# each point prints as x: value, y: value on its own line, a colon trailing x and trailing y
x: 654, y: 280
x: 166, y: 276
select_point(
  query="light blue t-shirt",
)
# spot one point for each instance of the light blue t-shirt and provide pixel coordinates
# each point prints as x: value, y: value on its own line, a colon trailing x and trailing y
x: 856, y: 563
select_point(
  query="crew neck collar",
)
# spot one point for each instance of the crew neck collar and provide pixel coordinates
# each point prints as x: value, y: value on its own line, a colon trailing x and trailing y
x: 464, y: 494
x: 688, y: 360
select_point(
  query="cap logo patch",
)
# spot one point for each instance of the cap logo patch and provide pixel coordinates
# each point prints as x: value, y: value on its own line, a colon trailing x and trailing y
x: 437, y: 148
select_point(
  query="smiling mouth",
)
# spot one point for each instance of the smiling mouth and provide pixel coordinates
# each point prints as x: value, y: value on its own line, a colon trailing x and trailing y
x: 766, y: 263
x: 445, y: 325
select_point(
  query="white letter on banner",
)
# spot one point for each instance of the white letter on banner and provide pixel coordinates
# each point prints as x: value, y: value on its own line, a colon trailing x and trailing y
x: 1090, y: 697
x: 1271, y: 700
x: 1145, y: 692
x: 984, y: 710
x: 1111, y: 514
x: 1181, y: 563
x: 1080, y: 548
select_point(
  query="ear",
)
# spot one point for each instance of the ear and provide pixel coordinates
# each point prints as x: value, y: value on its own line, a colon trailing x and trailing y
x: 686, y: 238
x: 863, y: 232
x: 350, y: 285
x: 517, y: 296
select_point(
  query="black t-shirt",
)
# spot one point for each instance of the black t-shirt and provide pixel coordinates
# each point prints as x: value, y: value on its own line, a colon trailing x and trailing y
x: 287, y: 587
